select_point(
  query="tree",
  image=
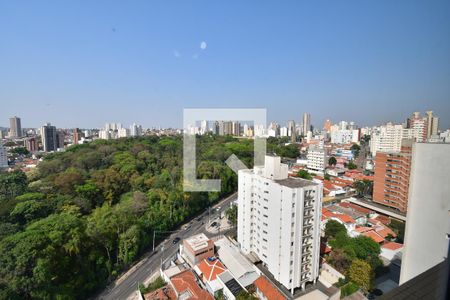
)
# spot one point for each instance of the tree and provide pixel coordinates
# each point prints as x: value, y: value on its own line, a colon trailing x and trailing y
x: 231, y: 214
x: 19, y: 151
x: 360, y: 272
x: 304, y: 174
x: 351, y: 165
x: 333, y: 227
x: 340, y: 260
x: 327, y: 176
x: 332, y: 161
x: 355, y: 149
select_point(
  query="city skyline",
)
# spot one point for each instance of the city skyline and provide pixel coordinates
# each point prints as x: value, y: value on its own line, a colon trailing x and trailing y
x: 146, y: 62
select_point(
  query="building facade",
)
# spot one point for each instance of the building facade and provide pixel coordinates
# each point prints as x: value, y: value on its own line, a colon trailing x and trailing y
x: 316, y: 159
x: 48, y: 135
x: 427, y: 222
x: 391, y: 179
x: 306, y: 124
x: 15, y: 127
x: 279, y: 222
x: 3, y: 157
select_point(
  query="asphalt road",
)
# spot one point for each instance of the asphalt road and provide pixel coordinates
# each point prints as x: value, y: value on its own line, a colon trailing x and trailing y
x: 126, y: 285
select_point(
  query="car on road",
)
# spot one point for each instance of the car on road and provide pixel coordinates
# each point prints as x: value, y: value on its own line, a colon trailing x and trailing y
x: 176, y: 240
x: 214, y: 224
x: 199, y: 219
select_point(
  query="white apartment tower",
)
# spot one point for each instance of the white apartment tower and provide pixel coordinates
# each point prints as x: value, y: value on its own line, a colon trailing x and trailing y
x: 316, y: 159
x: 279, y: 222
x: 306, y: 124
x: 427, y: 222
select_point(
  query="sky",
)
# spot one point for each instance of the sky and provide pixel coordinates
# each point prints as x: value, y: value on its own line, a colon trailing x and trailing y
x: 85, y: 63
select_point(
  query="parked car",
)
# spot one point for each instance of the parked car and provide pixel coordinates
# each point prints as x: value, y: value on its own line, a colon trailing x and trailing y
x: 176, y: 240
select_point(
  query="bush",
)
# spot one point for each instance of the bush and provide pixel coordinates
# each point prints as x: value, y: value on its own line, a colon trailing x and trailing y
x: 153, y: 286
x: 349, y: 289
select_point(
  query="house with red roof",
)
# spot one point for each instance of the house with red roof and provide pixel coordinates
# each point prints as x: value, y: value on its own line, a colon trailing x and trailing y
x: 186, y: 286
x: 391, y: 251
x: 346, y: 220
x: 208, y: 270
x: 266, y: 290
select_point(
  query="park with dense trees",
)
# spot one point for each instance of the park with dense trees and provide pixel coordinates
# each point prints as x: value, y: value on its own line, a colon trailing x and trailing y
x: 83, y: 216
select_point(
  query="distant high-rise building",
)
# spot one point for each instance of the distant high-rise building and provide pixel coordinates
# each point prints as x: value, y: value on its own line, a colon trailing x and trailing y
x: 135, y: 130
x: 291, y: 131
x: 76, y: 136
x: 60, y: 137
x: 236, y: 128
x: 306, y: 123
x: 386, y: 138
x: 327, y: 125
x: 427, y: 222
x: 3, y: 157
x: 31, y: 144
x: 391, y: 180
x: 418, y: 125
x: 15, y: 127
x: 279, y: 222
x: 48, y: 135
x: 432, y: 124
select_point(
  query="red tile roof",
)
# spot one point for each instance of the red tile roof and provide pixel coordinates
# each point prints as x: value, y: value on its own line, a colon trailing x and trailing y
x: 374, y: 236
x: 185, y: 282
x: 392, y: 246
x: 210, y: 269
x: 268, y: 289
x: 164, y: 293
x: 384, y: 231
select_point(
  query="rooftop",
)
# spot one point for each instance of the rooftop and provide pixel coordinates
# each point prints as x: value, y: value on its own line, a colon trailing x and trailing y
x: 392, y: 246
x: 198, y: 242
x: 187, y: 287
x: 210, y: 269
x: 295, y: 182
x: 268, y: 289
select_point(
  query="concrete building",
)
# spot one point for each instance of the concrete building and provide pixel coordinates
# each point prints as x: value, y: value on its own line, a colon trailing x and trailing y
x: 316, y: 159
x: 428, y: 223
x: 15, y: 127
x: 327, y: 125
x: 418, y: 125
x: 196, y: 248
x: 291, y: 131
x: 76, y: 136
x: 135, y: 130
x: 3, y: 157
x: 391, y: 179
x: 386, y: 138
x: 31, y: 144
x: 432, y: 124
x: 344, y: 136
x: 279, y: 222
x: 48, y: 135
x: 306, y: 124
x: 60, y: 137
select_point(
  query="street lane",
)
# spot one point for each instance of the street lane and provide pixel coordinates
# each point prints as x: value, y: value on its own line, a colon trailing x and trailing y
x: 123, y: 287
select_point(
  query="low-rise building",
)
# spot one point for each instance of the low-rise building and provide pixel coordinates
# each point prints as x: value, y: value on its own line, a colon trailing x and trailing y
x: 186, y: 287
x: 266, y: 290
x: 197, y: 248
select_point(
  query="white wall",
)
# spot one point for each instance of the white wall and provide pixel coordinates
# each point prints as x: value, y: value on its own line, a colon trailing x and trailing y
x: 428, y: 219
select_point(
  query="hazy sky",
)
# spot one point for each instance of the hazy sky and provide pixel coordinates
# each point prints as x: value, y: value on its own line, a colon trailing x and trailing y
x: 84, y: 63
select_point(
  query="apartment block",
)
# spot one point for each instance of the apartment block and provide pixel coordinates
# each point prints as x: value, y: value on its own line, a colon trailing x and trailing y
x: 316, y: 159
x: 391, y: 180
x: 279, y: 222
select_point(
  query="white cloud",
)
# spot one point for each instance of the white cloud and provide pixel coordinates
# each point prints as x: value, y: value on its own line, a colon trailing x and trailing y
x: 203, y: 45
